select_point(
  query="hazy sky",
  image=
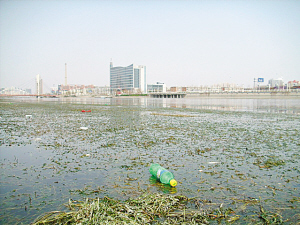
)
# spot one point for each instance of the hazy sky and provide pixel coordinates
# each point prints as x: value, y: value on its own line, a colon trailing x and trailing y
x: 182, y: 43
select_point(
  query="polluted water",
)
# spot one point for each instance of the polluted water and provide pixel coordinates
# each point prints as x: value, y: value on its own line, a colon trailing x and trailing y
x: 232, y: 166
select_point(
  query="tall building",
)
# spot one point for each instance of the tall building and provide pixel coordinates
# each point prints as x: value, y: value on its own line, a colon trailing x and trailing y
x: 130, y: 79
x: 39, y: 85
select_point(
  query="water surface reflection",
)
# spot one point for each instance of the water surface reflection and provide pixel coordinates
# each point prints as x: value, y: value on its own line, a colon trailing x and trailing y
x: 272, y: 105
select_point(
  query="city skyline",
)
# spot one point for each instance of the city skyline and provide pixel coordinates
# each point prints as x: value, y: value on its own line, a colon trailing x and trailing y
x: 182, y: 43
x: 37, y: 84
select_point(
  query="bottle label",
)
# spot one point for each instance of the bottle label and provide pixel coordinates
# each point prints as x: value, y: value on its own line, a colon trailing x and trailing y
x: 160, y: 172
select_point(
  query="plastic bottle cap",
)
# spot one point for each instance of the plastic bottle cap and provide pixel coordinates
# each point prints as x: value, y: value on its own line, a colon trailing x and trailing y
x: 173, y: 182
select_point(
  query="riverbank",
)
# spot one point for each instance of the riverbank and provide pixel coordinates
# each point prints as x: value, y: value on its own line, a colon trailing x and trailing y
x: 283, y: 95
x: 246, y: 95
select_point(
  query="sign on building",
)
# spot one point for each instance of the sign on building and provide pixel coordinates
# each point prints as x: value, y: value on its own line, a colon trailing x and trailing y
x: 260, y: 80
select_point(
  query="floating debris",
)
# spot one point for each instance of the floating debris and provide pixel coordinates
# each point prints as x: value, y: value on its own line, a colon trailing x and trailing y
x: 146, y: 209
x: 162, y: 174
x: 84, y: 128
x: 28, y: 117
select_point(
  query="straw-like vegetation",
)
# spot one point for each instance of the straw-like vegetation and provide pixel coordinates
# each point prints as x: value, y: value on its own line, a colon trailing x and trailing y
x: 143, y: 210
x: 150, y: 209
x: 147, y: 209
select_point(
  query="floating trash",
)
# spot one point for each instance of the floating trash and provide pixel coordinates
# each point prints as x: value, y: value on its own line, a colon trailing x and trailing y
x: 84, y: 128
x: 86, y: 110
x: 213, y: 162
x: 28, y: 117
x: 162, y: 174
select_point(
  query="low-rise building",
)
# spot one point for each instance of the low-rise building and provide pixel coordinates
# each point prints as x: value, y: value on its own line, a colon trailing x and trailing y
x: 294, y: 84
x: 276, y: 83
x: 158, y: 87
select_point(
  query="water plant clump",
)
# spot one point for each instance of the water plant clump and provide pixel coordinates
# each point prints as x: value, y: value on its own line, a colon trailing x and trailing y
x: 154, y: 209
x: 271, y: 162
x: 146, y: 209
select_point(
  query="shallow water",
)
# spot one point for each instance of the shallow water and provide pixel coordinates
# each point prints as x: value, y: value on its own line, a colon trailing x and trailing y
x: 218, y: 150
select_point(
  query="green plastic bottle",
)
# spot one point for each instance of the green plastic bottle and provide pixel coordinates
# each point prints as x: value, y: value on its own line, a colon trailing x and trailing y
x: 162, y: 174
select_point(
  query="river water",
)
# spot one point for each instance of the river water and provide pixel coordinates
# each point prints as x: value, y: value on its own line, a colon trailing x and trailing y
x: 269, y: 105
x: 241, y: 153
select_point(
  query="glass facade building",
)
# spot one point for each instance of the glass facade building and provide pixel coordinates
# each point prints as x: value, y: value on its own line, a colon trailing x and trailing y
x: 129, y: 79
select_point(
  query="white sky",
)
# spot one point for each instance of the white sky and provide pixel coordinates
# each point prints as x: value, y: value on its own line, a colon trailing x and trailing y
x: 182, y: 43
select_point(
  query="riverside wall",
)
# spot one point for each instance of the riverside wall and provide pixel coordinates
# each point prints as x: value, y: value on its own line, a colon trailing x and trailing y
x: 245, y: 95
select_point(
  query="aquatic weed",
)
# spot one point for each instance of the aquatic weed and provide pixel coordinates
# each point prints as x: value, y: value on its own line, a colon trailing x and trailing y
x: 146, y: 209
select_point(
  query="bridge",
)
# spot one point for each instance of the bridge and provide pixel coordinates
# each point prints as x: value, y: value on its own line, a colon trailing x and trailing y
x: 167, y: 95
x: 27, y: 88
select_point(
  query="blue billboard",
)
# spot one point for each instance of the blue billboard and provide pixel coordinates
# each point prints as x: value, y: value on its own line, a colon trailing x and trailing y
x: 260, y: 79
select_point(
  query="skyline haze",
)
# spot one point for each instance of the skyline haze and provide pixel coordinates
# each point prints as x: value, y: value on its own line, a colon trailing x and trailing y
x: 182, y: 43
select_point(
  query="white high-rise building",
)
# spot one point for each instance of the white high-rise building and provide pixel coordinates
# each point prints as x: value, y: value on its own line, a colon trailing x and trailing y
x: 39, y: 85
x: 131, y: 79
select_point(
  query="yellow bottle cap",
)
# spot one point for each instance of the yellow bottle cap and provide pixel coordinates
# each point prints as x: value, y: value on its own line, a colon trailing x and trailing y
x: 173, y: 182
